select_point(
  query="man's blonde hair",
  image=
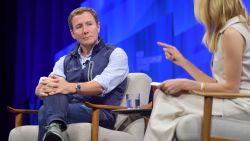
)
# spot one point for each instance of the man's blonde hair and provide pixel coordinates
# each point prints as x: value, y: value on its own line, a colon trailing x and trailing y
x: 214, y: 14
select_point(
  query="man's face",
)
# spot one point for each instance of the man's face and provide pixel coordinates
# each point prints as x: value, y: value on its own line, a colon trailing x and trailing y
x: 85, y: 29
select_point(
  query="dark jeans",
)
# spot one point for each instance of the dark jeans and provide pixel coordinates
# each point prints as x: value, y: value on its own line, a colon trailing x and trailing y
x: 66, y: 110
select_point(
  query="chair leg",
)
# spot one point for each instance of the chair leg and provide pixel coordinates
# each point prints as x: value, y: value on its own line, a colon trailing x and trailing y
x: 146, y: 120
x: 95, y: 124
x: 19, y: 118
x: 206, y: 123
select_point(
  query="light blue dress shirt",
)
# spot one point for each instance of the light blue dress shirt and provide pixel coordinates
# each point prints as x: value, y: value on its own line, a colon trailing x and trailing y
x: 115, y: 72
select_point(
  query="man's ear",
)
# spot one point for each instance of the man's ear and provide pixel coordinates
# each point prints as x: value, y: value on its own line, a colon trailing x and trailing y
x: 72, y: 34
x: 99, y: 27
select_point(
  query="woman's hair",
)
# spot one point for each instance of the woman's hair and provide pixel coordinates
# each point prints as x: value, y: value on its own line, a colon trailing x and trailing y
x: 214, y: 14
x: 79, y: 11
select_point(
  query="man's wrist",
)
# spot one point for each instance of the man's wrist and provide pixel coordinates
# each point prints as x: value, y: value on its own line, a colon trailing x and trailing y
x: 77, y: 88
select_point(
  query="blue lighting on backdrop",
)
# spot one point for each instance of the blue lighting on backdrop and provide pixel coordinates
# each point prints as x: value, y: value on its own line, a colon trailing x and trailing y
x: 137, y: 28
x: 134, y: 25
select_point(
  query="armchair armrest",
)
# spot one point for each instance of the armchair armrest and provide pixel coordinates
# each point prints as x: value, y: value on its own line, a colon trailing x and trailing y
x: 207, y: 111
x: 25, y: 111
x: 109, y: 107
x: 222, y: 95
x: 95, y: 117
x: 19, y: 114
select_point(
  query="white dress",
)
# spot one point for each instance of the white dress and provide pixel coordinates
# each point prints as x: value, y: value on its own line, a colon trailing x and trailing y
x: 168, y: 110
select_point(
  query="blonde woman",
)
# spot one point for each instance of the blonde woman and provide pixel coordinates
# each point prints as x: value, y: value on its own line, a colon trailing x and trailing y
x: 227, y: 36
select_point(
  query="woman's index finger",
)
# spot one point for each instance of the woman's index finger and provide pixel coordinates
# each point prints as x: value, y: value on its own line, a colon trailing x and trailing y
x: 164, y: 44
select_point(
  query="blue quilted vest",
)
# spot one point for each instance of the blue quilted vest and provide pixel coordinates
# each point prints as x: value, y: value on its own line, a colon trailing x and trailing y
x: 98, y: 62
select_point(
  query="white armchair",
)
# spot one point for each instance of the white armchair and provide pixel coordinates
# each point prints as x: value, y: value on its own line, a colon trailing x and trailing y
x: 214, y: 128
x: 137, y: 83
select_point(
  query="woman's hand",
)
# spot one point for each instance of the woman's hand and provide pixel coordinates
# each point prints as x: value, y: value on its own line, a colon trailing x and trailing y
x: 174, y: 86
x: 172, y: 54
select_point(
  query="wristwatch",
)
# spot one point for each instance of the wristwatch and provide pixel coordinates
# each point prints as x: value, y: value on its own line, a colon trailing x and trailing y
x: 78, y: 88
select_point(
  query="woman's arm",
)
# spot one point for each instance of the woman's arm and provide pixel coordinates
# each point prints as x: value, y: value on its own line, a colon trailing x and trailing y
x: 176, y: 57
x: 233, y: 46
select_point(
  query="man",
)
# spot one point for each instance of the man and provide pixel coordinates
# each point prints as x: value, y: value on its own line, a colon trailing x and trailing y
x: 93, y: 71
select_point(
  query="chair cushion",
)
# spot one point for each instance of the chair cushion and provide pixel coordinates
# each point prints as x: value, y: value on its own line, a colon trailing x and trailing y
x: 24, y: 133
x: 75, y: 132
x: 189, y: 128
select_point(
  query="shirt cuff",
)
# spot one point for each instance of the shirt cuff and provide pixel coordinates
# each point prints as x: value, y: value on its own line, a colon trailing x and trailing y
x: 103, y: 86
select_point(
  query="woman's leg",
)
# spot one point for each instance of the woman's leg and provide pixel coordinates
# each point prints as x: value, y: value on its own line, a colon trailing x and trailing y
x: 167, y: 111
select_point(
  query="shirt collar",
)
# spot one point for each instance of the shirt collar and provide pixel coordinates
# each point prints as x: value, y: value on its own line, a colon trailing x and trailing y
x: 80, y: 49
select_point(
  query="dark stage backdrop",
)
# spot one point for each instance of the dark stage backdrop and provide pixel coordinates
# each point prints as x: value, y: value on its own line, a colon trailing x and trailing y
x: 7, y: 57
x: 32, y: 32
x: 42, y: 30
x: 37, y: 34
